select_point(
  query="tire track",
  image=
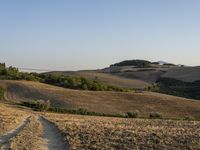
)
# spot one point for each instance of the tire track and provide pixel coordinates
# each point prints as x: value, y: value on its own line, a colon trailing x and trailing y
x: 5, y: 139
x: 52, y: 138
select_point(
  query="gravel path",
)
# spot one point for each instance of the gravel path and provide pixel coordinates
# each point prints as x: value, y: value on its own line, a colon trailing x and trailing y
x: 52, y: 139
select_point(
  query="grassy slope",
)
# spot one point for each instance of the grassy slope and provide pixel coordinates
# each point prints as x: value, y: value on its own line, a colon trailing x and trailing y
x: 104, y: 102
x: 187, y: 74
x: 145, y: 76
x: 109, y: 79
x: 136, y: 78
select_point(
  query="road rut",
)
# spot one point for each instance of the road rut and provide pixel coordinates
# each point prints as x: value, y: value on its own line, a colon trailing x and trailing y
x: 52, y: 138
x: 5, y: 139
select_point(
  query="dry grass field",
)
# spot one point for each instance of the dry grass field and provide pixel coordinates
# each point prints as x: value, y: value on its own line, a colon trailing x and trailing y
x: 90, y: 132
x: 10, y: 118
x: 83, y: 132
x: 103, y: 102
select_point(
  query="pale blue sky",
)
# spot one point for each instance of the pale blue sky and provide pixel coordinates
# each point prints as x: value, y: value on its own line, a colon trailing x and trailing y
x: 88, y: 34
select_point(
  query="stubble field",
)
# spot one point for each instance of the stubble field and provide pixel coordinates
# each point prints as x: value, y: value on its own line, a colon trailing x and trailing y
x: 86, y: 132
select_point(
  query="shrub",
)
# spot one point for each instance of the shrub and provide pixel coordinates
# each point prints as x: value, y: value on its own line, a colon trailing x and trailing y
x: 133, y: 114
x: 82, y: 111
x: 39, y: 105
x: 155, y: 115
x: 1, y: 93
x: 189, y: 118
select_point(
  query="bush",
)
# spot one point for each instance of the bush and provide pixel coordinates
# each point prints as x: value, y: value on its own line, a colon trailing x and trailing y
x: 189, y: 118
x: 1, y: 93
x: 39, y: 105
x: 82, y: 111
x: 155, y: 115
x: 134, y: 114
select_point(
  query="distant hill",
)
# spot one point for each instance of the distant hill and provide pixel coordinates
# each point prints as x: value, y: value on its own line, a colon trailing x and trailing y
x: 141, y: 74
x: 134, y: 74
x: 136, y: 63
x: 187, y: 74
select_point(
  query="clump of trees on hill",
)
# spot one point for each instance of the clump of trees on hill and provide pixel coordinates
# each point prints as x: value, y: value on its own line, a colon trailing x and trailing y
x: 81, y: 83
x: 12, y: 73
x: 137, y: 63
x: 74, y: 82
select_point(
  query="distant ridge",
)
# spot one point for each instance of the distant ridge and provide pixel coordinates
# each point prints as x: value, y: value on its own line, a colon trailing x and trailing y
x: 136, y: 62
x: 162, y: 62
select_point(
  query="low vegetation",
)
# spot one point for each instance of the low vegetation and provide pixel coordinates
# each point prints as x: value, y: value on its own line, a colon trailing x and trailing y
x: 133, y: 114
x: 73, y: 82
x: 45, y: 106
x: 83, y: 132
x: 38, y: 105
x: 155, y: 115
x: 12, y: 73
x: 1, y: 93
x: 188, y: 117
x: 80, y: 83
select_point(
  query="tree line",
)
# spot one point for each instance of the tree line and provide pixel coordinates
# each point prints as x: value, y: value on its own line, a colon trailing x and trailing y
x: 73, y: 82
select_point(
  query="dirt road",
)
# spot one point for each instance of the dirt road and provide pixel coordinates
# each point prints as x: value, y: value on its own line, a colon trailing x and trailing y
x: 35, y: 133
x: 52, y: 139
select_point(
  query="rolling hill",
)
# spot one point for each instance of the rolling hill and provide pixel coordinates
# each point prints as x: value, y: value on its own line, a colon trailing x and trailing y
x: 142, y: 74
x: 186, y: 74
x: 101, y: 101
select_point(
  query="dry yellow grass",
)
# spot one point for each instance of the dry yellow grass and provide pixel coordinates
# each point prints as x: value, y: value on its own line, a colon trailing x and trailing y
x: 103, y: 102
x: 94, y: 133
x: 10, y: 118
